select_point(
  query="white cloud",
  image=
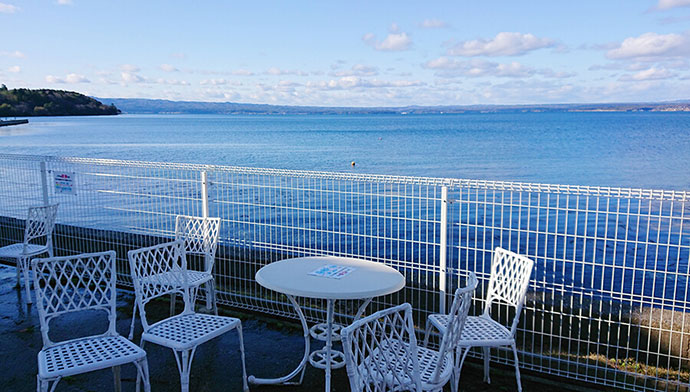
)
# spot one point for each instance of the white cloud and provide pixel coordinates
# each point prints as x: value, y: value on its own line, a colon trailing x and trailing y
x: 72, y: 78
x: 54, y: 79
x: 394, y: 42
x: 649, y: 74
x: 549, y: 73
x: 8, y: 8
x: 357, y: 70
x: 129, y: 68
x: 277, y: 71
x: 219, y: 82
x: 478, y: 68
x: 75, y: 78
x: 652, y: 45
x: 14, y: 69
x: 242, y: 72
x: 433, y: 24
x: 668, y: 4
x: 504, y: 44
x: 172, y: 82
x: 64, y: 2
x: 168, y: 68
x: 353, y: 82
x: 131, y: 77
x: 16, y: 54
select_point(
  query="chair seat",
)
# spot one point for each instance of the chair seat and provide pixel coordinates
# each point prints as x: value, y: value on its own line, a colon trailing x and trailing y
x: 197, y: 278
x: 188, y: 330
x: 427, y: 359
x: 87, y: 354
x: 440, y: 321
x: 194, y: 278
x: 478, y: 330
x: 16, y: 251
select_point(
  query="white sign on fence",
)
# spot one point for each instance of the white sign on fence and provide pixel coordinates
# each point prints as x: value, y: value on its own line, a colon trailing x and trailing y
x: 64, y: 183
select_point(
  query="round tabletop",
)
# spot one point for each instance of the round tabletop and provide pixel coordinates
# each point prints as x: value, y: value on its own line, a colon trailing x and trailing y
x: 361, y: 278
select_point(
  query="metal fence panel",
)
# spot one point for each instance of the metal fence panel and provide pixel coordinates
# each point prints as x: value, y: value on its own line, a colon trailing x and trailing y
x: 608, y: 299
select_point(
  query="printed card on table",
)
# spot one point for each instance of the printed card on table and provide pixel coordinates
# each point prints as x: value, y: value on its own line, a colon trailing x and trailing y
x: 332, y: 271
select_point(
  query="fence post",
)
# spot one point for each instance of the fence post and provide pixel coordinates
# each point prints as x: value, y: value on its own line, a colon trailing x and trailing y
x: 204, y: 212
x: 44, y: 183
x: 204, y: 194
x: 443, y: 254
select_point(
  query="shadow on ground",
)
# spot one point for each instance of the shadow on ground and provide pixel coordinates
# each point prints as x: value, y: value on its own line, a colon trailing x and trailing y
x: 273, y: 348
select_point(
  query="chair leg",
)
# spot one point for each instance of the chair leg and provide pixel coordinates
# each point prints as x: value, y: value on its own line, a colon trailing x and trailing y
x: 455, y: 377
x: 517, y: 367
x: 426, y: 333
x: 245, y: 387
x: 134, y: 317
x: 27, y: 284
x: 143, y: 373
x: 458, y: 368
x: 184, y: 365
x: 487, y: 353
x: 117, y: 379
x: 44, y: 385
x: 19, y: 272
x: 211, y: 295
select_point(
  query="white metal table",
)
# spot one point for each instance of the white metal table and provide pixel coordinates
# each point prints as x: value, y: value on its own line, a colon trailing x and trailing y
x: 294, y: 278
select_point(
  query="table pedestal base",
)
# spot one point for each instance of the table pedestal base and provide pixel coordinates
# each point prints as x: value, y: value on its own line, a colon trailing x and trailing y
x: 318, y: 359
x: 325, y: 358
x: 300, y: 369
x: 320, y: 332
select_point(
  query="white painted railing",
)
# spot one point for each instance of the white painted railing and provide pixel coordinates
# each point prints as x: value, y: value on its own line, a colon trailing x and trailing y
x: 609, y: 300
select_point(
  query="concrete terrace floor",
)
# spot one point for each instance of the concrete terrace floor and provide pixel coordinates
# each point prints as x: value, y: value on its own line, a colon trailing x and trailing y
x: 272, y: 347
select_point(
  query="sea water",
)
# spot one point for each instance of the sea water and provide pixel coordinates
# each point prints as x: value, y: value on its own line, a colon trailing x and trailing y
x: 638, y: 150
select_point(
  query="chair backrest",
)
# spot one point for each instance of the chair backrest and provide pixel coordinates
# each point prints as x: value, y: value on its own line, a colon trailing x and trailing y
x: 387, y: 335
x: 457, y: 317
x: 40, y: 223
x: 156, y: 271
x: 200, y: 236
x: 72, y: 284
x: 510, y: 273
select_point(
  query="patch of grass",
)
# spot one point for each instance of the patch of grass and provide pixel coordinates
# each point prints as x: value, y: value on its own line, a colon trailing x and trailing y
x: 628, y: 365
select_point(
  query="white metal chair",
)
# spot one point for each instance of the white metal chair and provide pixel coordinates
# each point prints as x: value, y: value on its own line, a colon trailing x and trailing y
x: 508, y: 283
x: 38, y: 239
x: 72, y: 284
x: 160, y: 270
x: 200, y: 237
x: 381, y: 352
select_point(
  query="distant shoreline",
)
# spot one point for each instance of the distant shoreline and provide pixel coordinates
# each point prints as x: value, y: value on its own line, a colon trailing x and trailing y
x: 160, y: 106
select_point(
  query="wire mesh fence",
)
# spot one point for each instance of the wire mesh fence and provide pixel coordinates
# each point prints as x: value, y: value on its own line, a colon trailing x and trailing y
x: 608, y: 300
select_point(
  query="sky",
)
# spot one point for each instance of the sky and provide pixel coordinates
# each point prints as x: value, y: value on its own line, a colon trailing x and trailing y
x: 351, y: 53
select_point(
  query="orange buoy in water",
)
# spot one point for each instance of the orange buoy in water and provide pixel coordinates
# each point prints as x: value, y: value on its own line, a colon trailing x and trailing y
x: 352, y: 163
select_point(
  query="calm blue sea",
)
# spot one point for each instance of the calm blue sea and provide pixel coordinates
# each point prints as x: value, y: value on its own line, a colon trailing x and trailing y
x: 648, y: 150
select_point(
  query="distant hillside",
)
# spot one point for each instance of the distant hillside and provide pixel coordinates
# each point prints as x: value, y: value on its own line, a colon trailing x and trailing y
x: 24, y: 102
x: 160, y: 106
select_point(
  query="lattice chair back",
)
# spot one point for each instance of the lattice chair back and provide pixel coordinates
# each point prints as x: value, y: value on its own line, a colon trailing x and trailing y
x: 72, y: 284
x: 457, y: 316
x: 381, y: 352
x: 40, y: 223
x: 510, y: 273
x: 156, y: 271
x: 200, y: 236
